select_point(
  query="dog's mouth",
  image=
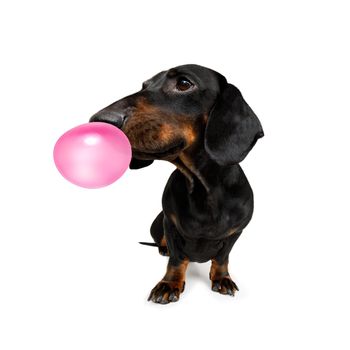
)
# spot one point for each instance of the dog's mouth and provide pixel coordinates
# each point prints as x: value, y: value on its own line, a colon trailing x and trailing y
x: 159, y: 154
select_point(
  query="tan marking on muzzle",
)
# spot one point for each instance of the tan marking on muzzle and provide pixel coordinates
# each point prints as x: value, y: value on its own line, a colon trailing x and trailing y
x: 166, y: 132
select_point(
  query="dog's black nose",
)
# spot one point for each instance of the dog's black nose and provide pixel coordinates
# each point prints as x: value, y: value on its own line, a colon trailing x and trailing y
x: 112, y: 117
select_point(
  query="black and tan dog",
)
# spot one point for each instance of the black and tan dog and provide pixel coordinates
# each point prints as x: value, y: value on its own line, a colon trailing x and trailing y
x: 191, y: 117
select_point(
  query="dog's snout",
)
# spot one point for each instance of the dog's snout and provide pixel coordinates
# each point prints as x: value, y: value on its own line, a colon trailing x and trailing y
x: 115, y: 118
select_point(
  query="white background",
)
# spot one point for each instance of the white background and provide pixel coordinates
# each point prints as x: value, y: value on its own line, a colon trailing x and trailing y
x: 72, y: 274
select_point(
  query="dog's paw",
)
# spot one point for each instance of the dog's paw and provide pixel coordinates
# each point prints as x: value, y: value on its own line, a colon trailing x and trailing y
x: 163, y: 250
x: 165, y: 292
x: 224, y: 285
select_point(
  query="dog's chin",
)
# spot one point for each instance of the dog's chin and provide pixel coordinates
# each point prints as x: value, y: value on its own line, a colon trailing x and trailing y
x: 166, y: 153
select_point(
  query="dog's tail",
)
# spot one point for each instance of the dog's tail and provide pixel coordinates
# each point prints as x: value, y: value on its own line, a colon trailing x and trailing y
x: 151, y: 244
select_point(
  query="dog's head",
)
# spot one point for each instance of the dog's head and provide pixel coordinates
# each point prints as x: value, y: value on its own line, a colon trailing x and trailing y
x: 181, y: 107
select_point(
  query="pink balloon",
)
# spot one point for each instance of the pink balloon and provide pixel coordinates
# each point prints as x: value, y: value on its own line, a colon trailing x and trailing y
x: 92, y: 155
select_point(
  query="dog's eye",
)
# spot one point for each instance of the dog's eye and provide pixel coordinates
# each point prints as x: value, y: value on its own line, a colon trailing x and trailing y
x: 183, y: 84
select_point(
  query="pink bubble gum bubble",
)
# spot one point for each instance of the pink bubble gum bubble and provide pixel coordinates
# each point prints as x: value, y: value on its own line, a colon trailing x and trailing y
x: 92, y: 155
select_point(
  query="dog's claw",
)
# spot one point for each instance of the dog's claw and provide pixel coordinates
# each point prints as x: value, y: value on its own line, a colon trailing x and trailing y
x: 173, y: 297
x: 215, y: 287
x: 235, y: 286
x: 224, y: 286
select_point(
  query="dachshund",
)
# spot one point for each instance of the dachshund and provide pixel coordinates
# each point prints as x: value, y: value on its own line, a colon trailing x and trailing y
x: 192, y: 117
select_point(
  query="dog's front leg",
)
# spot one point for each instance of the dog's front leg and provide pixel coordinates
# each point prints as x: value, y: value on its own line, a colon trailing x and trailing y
x: 220, y: 278
x: 172, y: 284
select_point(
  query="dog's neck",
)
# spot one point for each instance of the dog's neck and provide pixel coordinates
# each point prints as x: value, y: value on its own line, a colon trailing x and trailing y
x: 198, y: 168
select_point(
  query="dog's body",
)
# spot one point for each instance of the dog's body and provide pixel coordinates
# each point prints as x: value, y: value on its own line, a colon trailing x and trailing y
x: 193, y: 118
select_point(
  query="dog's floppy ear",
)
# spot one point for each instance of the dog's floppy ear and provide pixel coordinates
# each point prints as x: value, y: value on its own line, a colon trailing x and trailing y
x: 232, y: 128
x: 139, y: 163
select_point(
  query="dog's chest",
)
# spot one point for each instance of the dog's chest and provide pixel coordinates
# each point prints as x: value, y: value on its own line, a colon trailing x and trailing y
x: 193, y: 215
